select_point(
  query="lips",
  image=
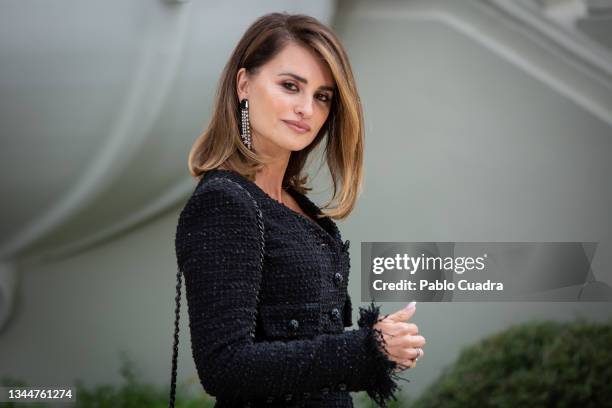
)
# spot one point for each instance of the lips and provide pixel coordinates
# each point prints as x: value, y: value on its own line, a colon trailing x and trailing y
x: 301, y: 127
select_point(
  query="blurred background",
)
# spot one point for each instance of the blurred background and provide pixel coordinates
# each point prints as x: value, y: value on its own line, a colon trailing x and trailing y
x: 486, y: 120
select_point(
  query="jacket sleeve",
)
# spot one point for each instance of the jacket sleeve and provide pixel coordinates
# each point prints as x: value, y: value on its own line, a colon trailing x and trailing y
x: 218, y: 248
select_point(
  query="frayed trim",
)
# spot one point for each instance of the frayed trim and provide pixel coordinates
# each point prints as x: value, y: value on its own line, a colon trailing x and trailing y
x: 368, y: 317
x: 384, y: 383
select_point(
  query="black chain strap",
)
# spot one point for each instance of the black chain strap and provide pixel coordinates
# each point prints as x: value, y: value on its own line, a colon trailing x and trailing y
x: 260, y: 226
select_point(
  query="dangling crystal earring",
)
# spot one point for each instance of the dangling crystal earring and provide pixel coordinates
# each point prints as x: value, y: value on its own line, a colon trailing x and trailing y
x: 245, y: 133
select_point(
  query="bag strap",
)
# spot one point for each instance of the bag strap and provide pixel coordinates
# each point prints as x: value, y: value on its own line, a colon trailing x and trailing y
x: 177, y: 310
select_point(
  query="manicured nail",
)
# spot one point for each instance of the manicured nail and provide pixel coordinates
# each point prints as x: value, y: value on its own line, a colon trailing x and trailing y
x: 411, y: 305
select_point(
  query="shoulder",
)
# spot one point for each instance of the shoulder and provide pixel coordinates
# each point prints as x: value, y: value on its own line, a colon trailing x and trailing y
x: 220, y: 186
x: 218, y: 196
x: 216, y: 210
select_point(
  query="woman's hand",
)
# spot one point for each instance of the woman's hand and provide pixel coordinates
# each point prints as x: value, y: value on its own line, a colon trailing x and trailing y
x: 401, y: 338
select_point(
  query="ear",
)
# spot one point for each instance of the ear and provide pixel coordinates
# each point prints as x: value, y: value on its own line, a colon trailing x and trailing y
x: 242, y: 84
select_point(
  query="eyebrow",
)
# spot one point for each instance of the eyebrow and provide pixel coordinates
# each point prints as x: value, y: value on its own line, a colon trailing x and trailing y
x: 305, y: 81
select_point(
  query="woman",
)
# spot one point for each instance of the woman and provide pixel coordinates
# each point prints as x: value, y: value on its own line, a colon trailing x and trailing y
x: 266, y: 270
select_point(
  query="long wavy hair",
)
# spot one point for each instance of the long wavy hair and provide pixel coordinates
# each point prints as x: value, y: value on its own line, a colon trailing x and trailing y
x: 220, y: 144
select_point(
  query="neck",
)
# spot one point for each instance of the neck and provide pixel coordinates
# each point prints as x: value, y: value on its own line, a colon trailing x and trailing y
x: 270, y: 179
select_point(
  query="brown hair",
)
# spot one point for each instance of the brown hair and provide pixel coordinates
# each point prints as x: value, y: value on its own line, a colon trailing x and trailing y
x: 220, y: 144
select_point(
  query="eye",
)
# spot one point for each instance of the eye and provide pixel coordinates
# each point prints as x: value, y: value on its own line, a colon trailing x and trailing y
x: 292, y: 87
x: 290, y: 84
x: 324, y: 98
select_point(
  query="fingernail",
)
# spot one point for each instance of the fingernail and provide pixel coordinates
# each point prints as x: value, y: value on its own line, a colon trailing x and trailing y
x: 411, y: 305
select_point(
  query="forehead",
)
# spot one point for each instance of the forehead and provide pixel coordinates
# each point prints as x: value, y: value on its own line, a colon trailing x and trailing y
x: 301, y: 61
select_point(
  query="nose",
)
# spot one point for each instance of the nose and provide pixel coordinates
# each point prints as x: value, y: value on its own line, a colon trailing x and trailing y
x: 304, y: 107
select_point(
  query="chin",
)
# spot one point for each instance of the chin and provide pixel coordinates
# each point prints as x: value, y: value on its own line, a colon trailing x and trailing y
x: 291, y: 142
x: 294, y: 144
x: 295, y: 147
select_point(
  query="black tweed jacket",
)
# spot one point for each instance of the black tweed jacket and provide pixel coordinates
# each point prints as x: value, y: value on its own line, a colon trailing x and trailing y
x: 273, y: 336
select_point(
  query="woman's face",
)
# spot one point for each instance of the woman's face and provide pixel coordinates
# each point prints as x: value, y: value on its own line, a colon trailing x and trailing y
x: 295, y: 86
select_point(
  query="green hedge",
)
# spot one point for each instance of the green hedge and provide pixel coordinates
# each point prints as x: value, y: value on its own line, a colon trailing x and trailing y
x: 536, y: 364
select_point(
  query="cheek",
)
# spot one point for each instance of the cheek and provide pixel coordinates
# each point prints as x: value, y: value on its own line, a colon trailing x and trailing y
x: 281, y: 106
x: 264, y: 114
x: 267, y: 102
x: 275, y: 107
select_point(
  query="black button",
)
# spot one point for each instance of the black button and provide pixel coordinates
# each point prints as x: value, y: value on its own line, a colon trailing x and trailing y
x: 335, y: 314
x: 293, y: 324
x: 342, y: 387
x: 306, y: 395
x: 270, y: 399
x: 325, y: 390
x: 338, y: 278
x: 288, y: 397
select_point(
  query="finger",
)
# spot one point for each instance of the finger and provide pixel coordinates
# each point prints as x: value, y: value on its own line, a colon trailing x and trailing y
x: 394, y: 343
x: 405, y: 328
x: 403, y: 314
x: 404, y: 365
x: 408, y: 363
x: 400, y: 356
x: 392, y: 330
x: 404, y: 354
x: 405, y: 341
x: 408, y: 353
x: 396, y: 340
x: 414, y: 341
x: 413, y: 353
